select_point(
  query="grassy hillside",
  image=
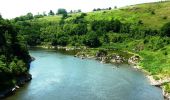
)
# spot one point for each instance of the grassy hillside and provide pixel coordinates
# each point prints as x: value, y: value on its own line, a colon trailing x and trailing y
x: 153, y: 15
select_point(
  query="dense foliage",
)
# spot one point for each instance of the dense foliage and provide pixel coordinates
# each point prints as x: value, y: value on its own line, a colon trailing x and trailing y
x: 79, y: 31
x: 14, y: 57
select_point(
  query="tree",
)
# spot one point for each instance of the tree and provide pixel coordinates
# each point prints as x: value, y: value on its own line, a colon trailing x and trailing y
x: 64, y: 15
x: 51, y: 13
x: 98, y: 9
x: 71, y: 11
x: 79, y: 10
x: 61, y: 11
x: 29, y: 16
x: 115, y: 7
x: 94, y: 9
x: 63, y: 41
x: 92, y: 40
x: 44, y: 13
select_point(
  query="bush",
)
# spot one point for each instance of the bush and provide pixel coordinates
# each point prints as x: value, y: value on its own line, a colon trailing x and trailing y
x: 166, y: 29
x: 92, y: 40
x: 17, y: 67
x: 106, y: 26
x: 167, y: 87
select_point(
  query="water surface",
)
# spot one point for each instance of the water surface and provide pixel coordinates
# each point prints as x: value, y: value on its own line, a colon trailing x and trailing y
x: 57, y: 76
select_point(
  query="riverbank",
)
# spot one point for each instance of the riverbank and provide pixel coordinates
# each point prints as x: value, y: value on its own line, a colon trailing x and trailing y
x: 116, y: 57
x: 129, y: 58
x: 157, y: 83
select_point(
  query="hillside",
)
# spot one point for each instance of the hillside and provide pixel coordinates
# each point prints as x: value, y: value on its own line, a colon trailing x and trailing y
x: 153, y: 15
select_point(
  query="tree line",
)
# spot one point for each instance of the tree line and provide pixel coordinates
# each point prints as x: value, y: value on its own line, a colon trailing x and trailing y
x: 60, y: 11
x: 79, y: 31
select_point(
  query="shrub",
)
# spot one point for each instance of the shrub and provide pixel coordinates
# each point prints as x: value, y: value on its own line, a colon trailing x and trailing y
x: 92, y: 40
x: 166, y: 29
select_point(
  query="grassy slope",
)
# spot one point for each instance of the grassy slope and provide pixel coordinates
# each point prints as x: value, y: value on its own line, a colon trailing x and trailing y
x: 155, y: 62
x: 135, y: 13
x: 128, y: 14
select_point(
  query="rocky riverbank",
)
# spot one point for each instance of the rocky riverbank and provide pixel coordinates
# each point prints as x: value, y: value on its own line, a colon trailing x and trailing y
x: 157, y: 83
x: 104, y: 57
x: 134, y: 60
x: 58, y: 47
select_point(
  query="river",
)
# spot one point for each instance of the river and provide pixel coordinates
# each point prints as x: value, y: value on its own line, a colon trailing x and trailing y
x: 58, y: 76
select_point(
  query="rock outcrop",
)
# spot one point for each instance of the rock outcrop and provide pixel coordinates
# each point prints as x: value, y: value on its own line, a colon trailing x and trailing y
x: 134, y: 60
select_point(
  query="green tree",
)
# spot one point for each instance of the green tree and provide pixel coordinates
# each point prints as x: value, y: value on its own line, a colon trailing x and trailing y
x: 51, y: 13
x: 92, y: 40
x: 61, y: 11
x: 29, y: 16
